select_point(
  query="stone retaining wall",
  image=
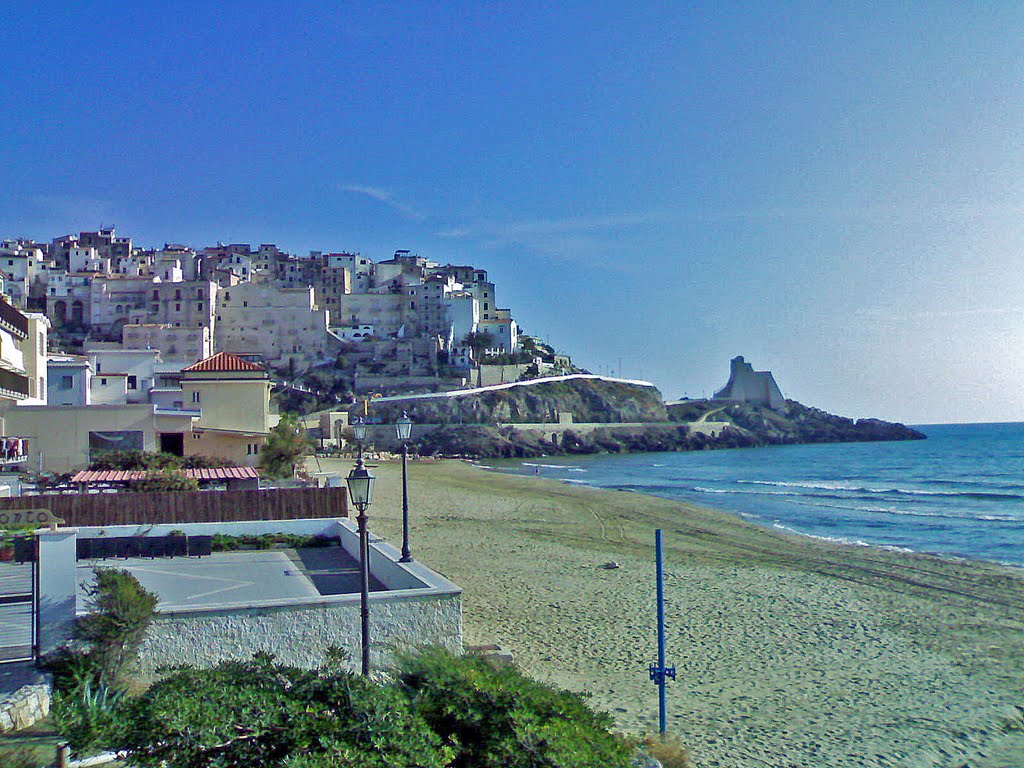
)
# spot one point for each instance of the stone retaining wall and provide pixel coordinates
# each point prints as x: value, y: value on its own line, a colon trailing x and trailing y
x: 300, y: 635
x: 24, y: 707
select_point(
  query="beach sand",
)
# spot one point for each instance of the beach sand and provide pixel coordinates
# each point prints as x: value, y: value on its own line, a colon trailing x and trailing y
x: 789, y: 651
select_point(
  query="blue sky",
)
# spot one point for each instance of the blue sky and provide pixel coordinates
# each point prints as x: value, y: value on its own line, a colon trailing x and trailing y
x: 834, y: 191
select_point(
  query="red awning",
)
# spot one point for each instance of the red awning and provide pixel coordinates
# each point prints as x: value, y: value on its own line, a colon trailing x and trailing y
x: 125, y: 476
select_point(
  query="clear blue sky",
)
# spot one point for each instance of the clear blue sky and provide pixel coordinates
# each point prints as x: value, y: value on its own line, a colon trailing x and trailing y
x: 834, y: 191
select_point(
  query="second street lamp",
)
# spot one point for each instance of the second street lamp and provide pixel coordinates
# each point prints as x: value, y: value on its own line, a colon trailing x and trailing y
x: 359, y: 434
x: 403, y: 428
x: 360, y: 490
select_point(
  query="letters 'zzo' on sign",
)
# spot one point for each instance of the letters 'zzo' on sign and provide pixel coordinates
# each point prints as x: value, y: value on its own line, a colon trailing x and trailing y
x: 10, y: 517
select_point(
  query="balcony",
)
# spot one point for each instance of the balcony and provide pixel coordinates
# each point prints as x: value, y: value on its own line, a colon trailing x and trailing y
x: 12, y: 321
x: 13, y: 385
x: 13, y: 450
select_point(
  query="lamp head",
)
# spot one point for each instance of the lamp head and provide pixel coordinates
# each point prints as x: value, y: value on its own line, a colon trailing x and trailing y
x: 360, y: 485
x: 358, y: 430
x: 403, y: 427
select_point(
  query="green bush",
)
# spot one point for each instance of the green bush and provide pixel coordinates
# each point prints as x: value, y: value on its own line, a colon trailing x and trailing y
x: 242, y: 714
x: 92, y: 717
x: 141, y: 460
x: 442, y: 711
x: 499, y: 718
x: 166, y: 480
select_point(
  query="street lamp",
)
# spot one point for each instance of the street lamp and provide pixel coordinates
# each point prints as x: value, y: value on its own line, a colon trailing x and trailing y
x: 359, y: 434
x: 403, y: 428
x: 360, y: 490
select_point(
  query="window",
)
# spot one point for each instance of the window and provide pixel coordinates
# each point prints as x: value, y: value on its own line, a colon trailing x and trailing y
x: 177, y: 307
x: 227, y: 295
x: 245, y: 303
x: 67, y: 382
x: 179, y: 404
x: 103, y: 382
x: 156, y: 295
x: 177, y: 294
x: 195, y: 397
x: 199, y: 293
x: 133, y: 382
x: 99, y: 366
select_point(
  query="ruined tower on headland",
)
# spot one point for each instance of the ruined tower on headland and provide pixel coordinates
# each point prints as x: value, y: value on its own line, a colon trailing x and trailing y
x: 749, y: 386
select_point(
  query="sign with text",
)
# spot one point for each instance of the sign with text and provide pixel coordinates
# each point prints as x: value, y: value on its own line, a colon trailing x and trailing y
x: 12, y: 517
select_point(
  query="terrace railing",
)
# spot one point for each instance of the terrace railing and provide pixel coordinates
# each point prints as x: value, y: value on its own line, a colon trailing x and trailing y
x: 13, y: 321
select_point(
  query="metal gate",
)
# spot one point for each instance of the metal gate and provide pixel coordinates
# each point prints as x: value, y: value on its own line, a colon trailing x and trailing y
x: 18, y: 608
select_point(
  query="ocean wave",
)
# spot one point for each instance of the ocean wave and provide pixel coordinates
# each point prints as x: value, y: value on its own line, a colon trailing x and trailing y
x: 553, y: 466
x: 852, y: 488
x: 912, y: 512
x: 836, y: 539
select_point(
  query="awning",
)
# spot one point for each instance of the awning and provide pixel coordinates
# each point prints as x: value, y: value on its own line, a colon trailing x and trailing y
x: 126, y: 476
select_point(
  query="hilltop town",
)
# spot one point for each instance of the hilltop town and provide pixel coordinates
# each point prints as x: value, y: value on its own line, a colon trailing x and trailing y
x: 193, y: 352
x: 181, y: 347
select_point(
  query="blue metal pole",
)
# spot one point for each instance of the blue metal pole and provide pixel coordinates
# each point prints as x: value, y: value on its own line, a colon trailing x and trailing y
x: 662, y: 704
x: 660, y: 674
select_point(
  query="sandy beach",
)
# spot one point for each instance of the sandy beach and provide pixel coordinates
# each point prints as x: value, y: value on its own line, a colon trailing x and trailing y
x: 789, y: 651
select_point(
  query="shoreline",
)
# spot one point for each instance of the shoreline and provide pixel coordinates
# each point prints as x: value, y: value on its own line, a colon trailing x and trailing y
x: 789, y: 650
x: 764, y: 522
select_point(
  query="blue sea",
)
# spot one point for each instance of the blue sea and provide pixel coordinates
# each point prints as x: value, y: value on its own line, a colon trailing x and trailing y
x: 959, y: 493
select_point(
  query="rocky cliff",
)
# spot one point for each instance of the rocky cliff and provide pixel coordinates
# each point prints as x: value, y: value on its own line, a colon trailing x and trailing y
x: 482, y: 424
x: 588, y: 399
x: 793, y: 423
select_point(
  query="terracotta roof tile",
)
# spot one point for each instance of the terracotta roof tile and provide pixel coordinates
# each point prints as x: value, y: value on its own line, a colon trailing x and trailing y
x: 223, y: 361
x: 123, y: 476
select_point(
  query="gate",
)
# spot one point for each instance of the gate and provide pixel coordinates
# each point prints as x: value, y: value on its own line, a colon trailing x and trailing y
x: 18, y: 587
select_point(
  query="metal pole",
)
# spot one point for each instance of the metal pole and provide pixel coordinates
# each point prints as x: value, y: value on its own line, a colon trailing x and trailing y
x: 406, y: 552
x: 661, y: 673
x: 364, y: 586
x: 662, y: 702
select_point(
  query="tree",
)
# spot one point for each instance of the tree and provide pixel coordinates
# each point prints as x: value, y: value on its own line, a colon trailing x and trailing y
x: 479, y: 342
x: 120, y: 612
x: 286, y: 445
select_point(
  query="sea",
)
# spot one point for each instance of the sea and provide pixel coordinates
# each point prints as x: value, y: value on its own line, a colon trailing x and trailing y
x: 960, y: 493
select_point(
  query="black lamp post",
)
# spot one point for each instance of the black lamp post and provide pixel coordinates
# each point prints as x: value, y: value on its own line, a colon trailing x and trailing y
x: 403, y: 428
x: 360, y: 490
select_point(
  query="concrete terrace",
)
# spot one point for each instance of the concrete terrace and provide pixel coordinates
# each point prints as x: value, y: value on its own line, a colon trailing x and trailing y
x: 237, y: 579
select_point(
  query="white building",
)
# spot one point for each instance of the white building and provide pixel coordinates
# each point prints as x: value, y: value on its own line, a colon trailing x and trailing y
x: 137, y: 366
x: 68, y: 380
x: 279, y: 325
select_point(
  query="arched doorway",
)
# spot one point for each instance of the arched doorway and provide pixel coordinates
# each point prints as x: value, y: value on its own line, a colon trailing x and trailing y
x: 60, y: 313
